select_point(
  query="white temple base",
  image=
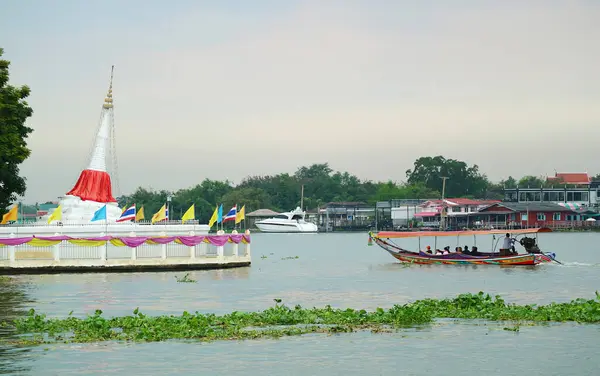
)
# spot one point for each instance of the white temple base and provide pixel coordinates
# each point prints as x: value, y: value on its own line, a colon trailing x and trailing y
x: 76, y: 222
x: 77, y: 211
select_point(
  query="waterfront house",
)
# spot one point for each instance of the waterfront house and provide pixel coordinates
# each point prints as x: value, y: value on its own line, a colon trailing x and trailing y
x: 525, y: 215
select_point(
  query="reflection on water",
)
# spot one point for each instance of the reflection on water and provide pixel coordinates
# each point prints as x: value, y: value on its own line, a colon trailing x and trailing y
x: 336, y: 269
x: 13, y: 301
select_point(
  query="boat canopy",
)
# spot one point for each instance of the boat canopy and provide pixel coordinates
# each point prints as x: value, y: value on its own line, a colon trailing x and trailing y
x: 417, y: 234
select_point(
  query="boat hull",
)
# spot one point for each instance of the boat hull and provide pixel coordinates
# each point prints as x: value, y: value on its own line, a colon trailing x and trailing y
x: 287, y: 227
x: 527, y: 259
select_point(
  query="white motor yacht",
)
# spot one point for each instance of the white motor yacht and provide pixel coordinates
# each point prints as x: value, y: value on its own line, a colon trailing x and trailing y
x: 287, y: 222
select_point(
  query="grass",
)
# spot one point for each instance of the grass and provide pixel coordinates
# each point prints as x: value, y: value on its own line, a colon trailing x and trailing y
x: 280, y: 320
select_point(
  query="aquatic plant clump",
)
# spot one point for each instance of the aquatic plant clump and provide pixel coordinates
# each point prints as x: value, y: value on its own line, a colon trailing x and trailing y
x: 281, y: 320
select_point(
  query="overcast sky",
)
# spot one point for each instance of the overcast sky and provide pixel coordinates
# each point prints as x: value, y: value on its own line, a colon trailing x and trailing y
x: 225, y: 89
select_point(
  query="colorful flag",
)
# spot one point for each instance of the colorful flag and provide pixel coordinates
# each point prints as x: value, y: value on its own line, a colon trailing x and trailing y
x: 139, y: 216
x: 220, y: 214
x: 11, y: 215
x: 56, y: 214
x: 128, y: 214
x: 230, y: 216
x: 99, y: 214
x: 241, y: 215
x: 124, y: 208
x: 188, y: 215
x: 213, y: 218
x: 160, y: 215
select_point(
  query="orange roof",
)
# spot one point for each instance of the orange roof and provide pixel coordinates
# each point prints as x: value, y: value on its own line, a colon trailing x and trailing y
x: 571, y: 177
x: 416, y: 234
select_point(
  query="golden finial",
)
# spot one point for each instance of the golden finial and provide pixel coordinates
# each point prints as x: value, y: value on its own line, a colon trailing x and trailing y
x: 108, y: 100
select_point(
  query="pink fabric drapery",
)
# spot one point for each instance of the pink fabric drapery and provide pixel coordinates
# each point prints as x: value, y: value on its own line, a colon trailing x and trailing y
x: 136, y: 241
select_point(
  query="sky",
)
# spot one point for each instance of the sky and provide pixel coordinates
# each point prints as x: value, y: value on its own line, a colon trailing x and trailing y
x: 227, y: 89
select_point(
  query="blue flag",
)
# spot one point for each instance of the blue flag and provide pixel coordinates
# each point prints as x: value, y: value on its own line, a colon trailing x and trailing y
x: 220, y: 214
x: 100, y: 214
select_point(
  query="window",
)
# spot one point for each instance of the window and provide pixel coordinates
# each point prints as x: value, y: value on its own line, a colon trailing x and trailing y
x: 541, y: 217
x: 556, y: 217
x: 456, y: 209
x: 554, y: 196
x: 523, y: 217
x: 577, y: 196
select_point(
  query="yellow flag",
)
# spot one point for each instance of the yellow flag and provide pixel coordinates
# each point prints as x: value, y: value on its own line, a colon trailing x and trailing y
x: 241, y: 215
x: 189, y: 214
x: 56, y: 215
x: 11, y: 215
x: 214, y: 218
x: 160, y: 215
x: 139, y: 215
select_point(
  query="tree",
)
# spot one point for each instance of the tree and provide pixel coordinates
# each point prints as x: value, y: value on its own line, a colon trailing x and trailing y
x: 531, y: 182
x: 462, y: 179
x: 14, y: 112
x: 510, y: 182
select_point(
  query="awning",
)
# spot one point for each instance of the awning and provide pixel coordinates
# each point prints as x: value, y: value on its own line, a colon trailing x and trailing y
x: 426, y: 214
x: 570, y: 205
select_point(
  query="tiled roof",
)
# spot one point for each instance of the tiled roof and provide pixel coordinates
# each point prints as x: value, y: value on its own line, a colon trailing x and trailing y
x: 531, y: 206
x: 461, y: 202
x: 571, y: 178
x: 262, y: 213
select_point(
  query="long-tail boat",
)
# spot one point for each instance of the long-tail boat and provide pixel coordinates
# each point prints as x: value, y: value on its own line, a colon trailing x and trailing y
x: 533, y: 255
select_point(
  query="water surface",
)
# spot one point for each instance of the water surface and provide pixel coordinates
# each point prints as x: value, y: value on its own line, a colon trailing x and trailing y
x: 336, y: 269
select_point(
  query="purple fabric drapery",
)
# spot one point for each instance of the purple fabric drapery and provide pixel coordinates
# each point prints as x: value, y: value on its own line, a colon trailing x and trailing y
x: 136, y: 241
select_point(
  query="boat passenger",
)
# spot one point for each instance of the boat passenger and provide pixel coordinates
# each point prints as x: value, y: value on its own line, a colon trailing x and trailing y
x: 474, y: 251
x: 466, y: 250
x: 428, y: 249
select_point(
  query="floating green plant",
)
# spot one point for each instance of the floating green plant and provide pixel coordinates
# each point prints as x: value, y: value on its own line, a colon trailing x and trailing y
x: 290, y: 257
x: 185, y: 279
x: 281, y: 320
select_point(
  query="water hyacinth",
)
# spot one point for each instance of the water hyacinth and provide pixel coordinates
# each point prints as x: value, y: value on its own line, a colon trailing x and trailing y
x: 281, y: 320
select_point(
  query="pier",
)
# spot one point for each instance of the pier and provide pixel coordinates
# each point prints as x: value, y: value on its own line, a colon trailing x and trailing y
x: 105, y: 253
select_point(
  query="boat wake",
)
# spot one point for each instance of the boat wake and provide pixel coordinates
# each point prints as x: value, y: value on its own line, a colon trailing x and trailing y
x: 577, y: 264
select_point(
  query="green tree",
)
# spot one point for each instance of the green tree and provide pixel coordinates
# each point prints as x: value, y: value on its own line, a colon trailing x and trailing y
x: 463, y: 180
x: 392, y: 191
x: 14, y: 112
x: 510, y: 182
x: 531, y: 182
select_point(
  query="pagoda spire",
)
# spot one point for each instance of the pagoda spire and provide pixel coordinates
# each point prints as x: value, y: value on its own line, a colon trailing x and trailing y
x: 94, y: 183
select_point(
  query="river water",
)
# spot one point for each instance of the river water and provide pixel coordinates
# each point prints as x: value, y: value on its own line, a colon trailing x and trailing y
x: 336, y: 269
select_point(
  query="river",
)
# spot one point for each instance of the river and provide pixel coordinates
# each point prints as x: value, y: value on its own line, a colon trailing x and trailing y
x: 335, y: 269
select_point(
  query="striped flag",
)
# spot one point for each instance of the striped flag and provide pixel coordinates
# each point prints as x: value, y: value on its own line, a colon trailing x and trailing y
x: 128, y: 214
x: 230, y: 216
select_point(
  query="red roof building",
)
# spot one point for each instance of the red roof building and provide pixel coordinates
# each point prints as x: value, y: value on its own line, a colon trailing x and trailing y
x: 570, y: 178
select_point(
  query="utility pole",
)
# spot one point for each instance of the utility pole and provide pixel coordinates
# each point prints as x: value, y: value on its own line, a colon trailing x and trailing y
x: 443, y: 212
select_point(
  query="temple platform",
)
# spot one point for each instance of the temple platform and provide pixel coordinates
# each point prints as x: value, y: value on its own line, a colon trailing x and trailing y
x: 104, y: 254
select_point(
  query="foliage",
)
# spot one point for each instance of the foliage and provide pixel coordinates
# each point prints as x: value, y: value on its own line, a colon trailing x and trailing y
x: 322, y: 185
x: 14, y: 112
x: 462, y: 179
x: 185, y: 279
x: 281, y: 320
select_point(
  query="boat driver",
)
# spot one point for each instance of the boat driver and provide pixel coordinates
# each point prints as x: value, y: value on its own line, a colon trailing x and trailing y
x: 508, y: 246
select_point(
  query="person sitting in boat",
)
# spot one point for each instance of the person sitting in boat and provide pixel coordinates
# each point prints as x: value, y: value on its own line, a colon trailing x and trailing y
x: 466, y: 250
x: 508, y: 246
x: 474, y: 251
x: 428, y: 249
